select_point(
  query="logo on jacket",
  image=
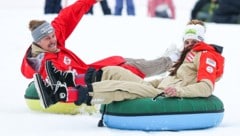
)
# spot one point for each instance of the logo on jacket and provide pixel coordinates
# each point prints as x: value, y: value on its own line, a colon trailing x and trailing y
x: 209, y: 69
x: 211, y: 64
x: 66, y: 60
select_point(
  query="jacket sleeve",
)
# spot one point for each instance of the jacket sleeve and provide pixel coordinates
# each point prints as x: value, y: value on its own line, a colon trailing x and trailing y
x: 203, y: 88
x: 68, y: 18
x: 210, y: 66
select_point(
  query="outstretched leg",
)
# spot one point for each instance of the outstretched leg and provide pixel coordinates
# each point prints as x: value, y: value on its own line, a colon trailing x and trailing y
x: 151, y: 67
x: 159, y: 65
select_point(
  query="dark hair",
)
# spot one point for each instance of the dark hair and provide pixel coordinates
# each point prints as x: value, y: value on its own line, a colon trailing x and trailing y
x: 175, y: 67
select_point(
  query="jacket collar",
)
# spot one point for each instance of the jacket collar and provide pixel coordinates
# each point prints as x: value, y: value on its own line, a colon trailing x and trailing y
x: 36, y: 49
x: 201, y: 46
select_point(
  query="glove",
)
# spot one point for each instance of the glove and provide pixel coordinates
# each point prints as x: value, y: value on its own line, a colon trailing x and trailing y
x: 172, y: 52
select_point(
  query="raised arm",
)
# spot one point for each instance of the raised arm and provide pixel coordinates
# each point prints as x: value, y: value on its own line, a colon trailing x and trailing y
x: 68, y: 18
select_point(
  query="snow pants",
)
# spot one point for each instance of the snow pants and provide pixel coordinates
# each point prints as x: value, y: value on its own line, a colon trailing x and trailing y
x: 119, y: 84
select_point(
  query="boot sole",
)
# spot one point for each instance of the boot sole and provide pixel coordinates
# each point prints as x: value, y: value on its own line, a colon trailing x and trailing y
x: 52, y: 81
x: 40, y: 91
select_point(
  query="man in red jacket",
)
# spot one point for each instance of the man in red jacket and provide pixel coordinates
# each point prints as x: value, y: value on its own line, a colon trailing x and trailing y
x: 49, y: 44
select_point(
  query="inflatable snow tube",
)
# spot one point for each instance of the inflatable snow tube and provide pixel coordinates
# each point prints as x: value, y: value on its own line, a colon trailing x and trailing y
x: 33, y: 103
x: 172, y: 114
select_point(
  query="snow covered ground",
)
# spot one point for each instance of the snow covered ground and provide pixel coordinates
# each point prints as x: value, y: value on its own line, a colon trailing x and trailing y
x: 97, y: 37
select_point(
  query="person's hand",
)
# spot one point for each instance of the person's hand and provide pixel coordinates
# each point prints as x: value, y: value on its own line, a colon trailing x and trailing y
x: 170, y: 92
x: 172, y: 52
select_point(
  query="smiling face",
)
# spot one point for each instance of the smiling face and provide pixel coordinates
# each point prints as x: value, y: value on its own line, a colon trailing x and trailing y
x: 49, y: 43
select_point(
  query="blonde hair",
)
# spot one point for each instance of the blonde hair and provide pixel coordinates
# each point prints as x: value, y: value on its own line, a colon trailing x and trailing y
x: 33, y: 24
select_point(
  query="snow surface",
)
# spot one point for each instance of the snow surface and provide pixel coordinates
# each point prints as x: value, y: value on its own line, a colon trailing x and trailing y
x: 97, y: 37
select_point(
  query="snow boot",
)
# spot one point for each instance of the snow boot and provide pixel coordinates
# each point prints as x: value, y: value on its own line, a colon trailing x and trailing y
x: 49, y: 94
x: 56, y: 75
x: 92, y: 75
x: 83, y: 95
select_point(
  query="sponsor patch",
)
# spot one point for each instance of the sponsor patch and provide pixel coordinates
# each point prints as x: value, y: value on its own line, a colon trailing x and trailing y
x: 211, y: 62
x: 67, y: 60
x: 209, y: 69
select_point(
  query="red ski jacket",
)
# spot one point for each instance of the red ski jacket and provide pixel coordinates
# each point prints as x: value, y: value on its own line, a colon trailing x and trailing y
x: 211, y: 64
x: 64, y: 24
